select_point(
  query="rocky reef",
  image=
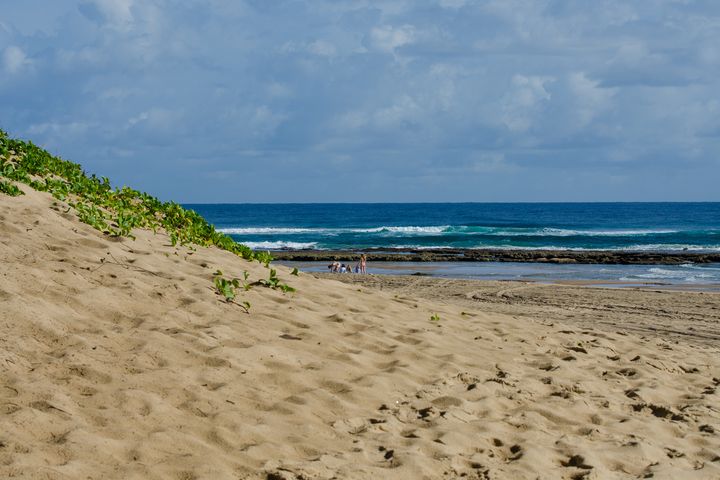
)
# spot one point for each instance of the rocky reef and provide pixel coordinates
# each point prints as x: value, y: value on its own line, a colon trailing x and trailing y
x: 496, y: 255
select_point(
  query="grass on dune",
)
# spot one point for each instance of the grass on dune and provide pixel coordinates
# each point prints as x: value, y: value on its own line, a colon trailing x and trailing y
x: 113, y: 211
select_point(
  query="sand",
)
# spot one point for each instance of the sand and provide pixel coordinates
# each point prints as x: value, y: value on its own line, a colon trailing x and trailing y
x: 690, y: 316
x: 119, y: 360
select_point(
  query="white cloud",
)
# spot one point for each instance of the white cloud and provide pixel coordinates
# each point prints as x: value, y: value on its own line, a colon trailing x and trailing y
x: 116, y: 12
x: 264, y: 121
x: 279, y: 90
x: 14, y: 59
x: 79, y: 58
x: 631, y: 52
x: 590, y: 98
x: 117, y: 93
x: 401, y: 113
x: 491, y: 163
x: 612, y: 81
x: 322, y: 48
x: 350, y: 121
x: 387, y: 38
x: 57, y: 129
x: 444, y: 89
x: 453, y: 3
x: 157, y: 120
x: 523, y: 103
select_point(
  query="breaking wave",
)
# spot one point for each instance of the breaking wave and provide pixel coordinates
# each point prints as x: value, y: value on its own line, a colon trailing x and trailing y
x: 440, y: 229
x: 279, y: 245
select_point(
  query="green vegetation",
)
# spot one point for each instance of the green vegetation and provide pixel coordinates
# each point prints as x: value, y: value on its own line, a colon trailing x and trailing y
x: 226, y: 288
x: 274, y: 282
x: 434, y: 317
x: 113, y: 211
x: 117, y: 211
x: 264, y: 257
x: 247, y: 286
x: 10, y: 189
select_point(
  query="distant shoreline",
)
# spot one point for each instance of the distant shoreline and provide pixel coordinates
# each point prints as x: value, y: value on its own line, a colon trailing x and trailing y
x: 500, y: 255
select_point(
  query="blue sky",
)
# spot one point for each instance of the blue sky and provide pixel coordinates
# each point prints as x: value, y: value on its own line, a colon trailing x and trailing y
x: 359, y: 100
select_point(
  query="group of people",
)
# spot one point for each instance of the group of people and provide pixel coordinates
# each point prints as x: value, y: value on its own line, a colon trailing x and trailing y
x: 360, y: 267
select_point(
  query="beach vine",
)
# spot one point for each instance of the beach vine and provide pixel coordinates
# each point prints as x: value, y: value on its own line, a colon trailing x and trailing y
x: 274, y: 282
x: 113, y: 211
x: 226, y: 288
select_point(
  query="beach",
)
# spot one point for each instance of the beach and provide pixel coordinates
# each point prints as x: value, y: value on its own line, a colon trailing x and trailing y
x: 359, y: 240
x: 120, y: 360
x: 688, y: 316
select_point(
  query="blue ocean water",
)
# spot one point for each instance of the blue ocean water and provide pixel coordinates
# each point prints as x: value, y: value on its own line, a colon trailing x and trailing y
x: 668, y: 227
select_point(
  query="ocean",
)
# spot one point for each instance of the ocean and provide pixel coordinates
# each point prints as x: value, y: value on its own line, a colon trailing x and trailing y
x: 632, y: 227
x: 668, y: 227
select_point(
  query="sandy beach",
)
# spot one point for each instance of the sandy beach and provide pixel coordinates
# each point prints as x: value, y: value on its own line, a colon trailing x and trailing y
x: 688, y: 316
x: 118, y: 359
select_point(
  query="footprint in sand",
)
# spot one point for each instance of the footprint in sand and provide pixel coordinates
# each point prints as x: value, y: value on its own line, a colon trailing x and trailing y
x: 507, y: 453
x: 389, y: 459
x: 337, y: 388
x: 577, y: 462
x: 659, y: 411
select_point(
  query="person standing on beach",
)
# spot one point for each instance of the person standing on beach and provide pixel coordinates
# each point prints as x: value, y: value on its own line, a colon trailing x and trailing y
x: 363, y: 263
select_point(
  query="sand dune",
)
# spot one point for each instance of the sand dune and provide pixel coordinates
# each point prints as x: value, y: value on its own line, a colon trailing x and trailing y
x: 119, y: 360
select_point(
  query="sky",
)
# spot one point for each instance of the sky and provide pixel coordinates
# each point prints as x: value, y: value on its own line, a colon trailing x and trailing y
x: 372, y: 101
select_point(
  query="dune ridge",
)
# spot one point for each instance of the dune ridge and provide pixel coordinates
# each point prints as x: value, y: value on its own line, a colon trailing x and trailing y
x: 119, y: 360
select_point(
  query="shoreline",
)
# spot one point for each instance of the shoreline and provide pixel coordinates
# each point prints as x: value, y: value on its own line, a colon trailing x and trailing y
x: 605, y: 257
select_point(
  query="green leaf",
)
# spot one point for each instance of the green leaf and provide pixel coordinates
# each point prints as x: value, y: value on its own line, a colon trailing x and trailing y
x: 286, y: 288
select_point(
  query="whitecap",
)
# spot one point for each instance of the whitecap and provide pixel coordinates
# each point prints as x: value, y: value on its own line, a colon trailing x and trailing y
x: 280, y: 245
x: 403, y: 229
x: 268, y: 230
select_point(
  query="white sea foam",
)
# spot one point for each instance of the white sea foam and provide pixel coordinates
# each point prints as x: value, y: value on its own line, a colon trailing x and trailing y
x: 672, y: 275
x: 415, y: 247
x: 438, y: 229
x: 331, y: 231
x: 488, y: 247
x: 562, y: 232
x: 280, y: 245
x: 542, y: 247
x: 511, y: 232
x: 670, y: 247
x: 268, y: 230
x: 404, y: 230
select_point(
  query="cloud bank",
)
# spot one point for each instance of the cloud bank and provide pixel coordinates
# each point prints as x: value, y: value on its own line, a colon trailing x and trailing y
x: 387, y: 100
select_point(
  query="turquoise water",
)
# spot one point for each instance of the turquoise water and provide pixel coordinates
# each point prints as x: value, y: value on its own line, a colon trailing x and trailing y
x: 671, y: 227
